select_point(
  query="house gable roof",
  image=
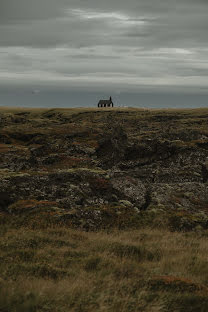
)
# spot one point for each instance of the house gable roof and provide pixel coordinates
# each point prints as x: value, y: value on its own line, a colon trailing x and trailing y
x: 105, y: 102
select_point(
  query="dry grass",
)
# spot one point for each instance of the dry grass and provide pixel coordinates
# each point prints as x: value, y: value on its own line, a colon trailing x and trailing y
x: 60, y: 269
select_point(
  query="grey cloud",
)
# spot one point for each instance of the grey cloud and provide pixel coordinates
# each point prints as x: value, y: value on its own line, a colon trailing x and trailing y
x: 157, y: 41
x: 15, y: 11
x: 92, y: 57
x: 135, y: 33
x: 50, y: 23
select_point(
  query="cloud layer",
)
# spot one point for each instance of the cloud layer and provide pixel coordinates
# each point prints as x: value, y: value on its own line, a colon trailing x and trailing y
x: 125, y: 44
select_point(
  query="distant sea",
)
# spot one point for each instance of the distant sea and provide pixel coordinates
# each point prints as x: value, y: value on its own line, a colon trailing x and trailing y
x: 65, y: 98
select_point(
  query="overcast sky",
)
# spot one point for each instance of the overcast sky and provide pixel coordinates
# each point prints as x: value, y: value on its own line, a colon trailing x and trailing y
x: 97, y: 45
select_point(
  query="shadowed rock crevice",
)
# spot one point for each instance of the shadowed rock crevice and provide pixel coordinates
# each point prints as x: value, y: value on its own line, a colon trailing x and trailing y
x: 205, y: 172
x: 148, y: 200
x: 112, y: 147
x: 5, y: 200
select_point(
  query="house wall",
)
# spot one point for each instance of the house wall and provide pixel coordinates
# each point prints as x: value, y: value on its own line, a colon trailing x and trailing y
x: 106, y: 105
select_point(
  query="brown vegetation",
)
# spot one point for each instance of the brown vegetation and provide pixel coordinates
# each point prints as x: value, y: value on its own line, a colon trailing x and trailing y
x: 59, y: 269
x: 103, y: 210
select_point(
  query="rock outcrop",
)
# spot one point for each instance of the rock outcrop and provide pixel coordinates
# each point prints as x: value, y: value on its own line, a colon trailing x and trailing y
x: 94, y: 164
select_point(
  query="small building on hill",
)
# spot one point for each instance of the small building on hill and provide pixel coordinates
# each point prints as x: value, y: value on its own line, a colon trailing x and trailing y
x: 106, y: 103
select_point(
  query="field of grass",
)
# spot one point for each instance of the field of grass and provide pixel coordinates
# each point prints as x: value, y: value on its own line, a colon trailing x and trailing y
x: 60, y: 269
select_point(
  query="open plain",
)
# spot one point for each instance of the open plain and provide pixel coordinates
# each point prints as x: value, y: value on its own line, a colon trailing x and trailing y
x: 103, y: 210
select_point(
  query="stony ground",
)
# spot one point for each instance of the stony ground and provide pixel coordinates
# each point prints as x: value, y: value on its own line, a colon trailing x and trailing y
x: 94, y: 168
x: 103, y: 210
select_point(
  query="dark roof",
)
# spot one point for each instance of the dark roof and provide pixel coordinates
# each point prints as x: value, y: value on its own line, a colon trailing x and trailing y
x: 105, y: 102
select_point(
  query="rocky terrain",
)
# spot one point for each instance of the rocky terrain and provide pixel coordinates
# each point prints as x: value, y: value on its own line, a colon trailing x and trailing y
x: 103, y: 210
x: 93, y: 169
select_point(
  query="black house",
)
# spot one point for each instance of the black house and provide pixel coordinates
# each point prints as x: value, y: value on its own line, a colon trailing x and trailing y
x: 106, y: 103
